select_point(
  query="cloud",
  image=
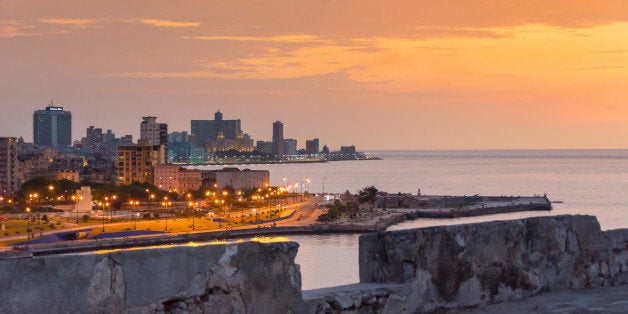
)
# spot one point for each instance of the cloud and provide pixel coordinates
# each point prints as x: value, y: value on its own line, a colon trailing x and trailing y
x: 70, y: 22
x: 161, y: 75
x: 458, y: 32
x: 13, y: 29
x: 282, y: 38
x: 167, y: 23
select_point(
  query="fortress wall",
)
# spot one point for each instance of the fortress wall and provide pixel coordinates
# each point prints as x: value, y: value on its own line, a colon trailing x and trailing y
x: 490, y: 262
x: 247, y: 277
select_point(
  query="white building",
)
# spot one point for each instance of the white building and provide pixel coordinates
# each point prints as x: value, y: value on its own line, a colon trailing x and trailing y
x: 235, y: 178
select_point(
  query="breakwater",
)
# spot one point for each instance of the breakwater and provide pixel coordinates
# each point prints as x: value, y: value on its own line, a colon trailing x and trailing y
x: 417, y: 270
x: 481, y: 211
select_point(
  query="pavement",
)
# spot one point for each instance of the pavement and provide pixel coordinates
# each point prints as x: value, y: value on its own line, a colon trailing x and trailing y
x: 598, y: 300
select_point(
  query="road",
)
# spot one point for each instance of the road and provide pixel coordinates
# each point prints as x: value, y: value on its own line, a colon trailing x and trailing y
x: 306, y: 214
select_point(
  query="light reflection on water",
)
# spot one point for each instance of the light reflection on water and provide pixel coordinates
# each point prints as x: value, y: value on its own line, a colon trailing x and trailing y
x: 327, y: 260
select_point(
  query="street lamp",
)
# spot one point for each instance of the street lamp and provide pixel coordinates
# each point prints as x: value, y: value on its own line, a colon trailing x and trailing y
x: 28, y: 223
x: 104, y: 209
x: 165, y: 203
x: 190, y: 204
x: 74, y: 202
x: 134, y: 204
x: 307, y: 188
x: 113, y: 199
x: 51, y: 188
x: 296, y: 187
x: 148, y: 195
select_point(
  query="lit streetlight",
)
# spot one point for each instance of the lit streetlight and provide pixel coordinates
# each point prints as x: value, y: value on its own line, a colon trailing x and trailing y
x: 75, y: 200
x: 166, y: 206
x: 28, y: 223
x: 113, y: 199
x: 190, y: 205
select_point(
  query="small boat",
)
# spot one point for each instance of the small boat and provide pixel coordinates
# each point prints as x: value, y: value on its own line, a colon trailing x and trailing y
x: 557, y: 202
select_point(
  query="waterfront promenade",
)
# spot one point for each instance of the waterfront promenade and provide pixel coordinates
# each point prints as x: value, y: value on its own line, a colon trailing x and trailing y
x: 296, y: 219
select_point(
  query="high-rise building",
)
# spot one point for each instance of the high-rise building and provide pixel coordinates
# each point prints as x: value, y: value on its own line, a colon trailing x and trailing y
x: 220, y: 135
x: 109, y: 137
x: 52, y: 127
x: 312, y: 147
x: 265, y: 146
x: 290, y: 147
x: 156, y: 133
x: 93, y: 139
x: 309, y: 147
x: 278, y: 141
x: 9, y: 182
x: 105, y: 143
x: 136, y: 162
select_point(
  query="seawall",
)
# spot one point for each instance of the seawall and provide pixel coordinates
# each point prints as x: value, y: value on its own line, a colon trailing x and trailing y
x: 470, y: 265
x: 418, y: 270
x: 247, y: 277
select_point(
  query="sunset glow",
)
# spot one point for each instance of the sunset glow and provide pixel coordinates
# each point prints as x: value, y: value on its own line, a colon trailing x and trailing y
x: 455, y: 75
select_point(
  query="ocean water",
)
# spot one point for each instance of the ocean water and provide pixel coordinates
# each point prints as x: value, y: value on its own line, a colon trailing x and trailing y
x: 591, y: 182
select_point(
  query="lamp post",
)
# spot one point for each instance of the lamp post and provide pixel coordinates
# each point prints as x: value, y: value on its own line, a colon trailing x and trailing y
x: 51, y: 188
x: 190, y: 204
x: 165, y: 203
x: 75, y: 202
x: 28, y: 223
x: 102, y: 205
x: 136, y: 203
x: 113, y: 199
x: 148, y: 197
x: 295, y: 190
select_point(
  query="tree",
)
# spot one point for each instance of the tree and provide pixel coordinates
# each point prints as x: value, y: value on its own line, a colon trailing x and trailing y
x: 352, y: 207
x: 368, y: 195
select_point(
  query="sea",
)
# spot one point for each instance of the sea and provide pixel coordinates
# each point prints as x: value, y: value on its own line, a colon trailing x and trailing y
x: 586, y: 182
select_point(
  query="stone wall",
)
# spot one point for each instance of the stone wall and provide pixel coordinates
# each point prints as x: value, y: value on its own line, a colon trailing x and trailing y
x: 247, y: 277
x: 469, y: 265
x: 419, y: 270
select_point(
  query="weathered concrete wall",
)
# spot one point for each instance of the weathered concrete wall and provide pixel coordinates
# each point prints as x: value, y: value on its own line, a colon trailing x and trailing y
x: 248, y: 277
x: 400, y: 271
x: 474, y: 264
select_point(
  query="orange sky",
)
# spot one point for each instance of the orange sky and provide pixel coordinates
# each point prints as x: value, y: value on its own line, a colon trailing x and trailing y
x: 377, y: 74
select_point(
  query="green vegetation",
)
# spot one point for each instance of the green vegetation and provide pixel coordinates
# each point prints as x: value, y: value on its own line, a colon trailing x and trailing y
x: 350, y: 206
x: 40, y: 190
x: 368, y: 195
x: 339, y: 209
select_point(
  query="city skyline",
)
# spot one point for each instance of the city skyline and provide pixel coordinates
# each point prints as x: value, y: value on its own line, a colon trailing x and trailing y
x: 393, y: 75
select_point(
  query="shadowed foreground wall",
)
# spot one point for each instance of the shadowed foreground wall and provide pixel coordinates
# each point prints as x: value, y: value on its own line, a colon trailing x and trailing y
x: 474, y: 264
x: 247, y: 277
